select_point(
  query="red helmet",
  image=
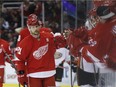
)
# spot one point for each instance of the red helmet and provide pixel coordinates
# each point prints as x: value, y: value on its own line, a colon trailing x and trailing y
x: 33, y: 20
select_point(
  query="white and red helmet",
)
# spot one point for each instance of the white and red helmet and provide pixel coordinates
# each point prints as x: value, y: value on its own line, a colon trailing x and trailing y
x: 33, y: 20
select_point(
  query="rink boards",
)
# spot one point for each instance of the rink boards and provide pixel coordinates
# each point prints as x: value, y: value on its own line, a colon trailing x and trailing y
x: 11, y: 77
x: 108, y: 79
x: 16, y: 85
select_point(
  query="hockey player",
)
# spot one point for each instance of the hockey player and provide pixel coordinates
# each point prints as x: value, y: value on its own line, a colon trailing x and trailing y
x: 107, y: 20
x: 85, y: 71
x: 22, y: 78
x: 25, y: 32
x: 75, y: 43
x: 86, y: 74
x: 5, y: 56
x: 101, y: 50
x: 38, y: 50
x: 95, y: 48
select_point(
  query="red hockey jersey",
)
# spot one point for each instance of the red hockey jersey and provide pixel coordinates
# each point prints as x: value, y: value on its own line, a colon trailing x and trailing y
x: 38, y: 54
x: 24, y: 32
x: 4, y: 46
x: 76, y: 40
x: 102, y: 43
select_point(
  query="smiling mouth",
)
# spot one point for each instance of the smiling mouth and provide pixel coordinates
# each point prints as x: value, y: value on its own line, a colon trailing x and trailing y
x: 35, y: 33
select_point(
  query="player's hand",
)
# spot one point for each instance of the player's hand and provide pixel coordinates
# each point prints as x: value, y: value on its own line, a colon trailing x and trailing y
x: 22, y: 79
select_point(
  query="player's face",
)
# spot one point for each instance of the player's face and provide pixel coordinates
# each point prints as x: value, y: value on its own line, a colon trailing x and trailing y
x: 34, y: 30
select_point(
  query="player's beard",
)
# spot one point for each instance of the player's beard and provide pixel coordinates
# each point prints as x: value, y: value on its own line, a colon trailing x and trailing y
x: 35, y: 34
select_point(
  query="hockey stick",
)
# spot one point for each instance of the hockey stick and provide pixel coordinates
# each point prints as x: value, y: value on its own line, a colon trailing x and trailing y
x: 71, y: 71
x: 11, y: 62
x: 13, y: 65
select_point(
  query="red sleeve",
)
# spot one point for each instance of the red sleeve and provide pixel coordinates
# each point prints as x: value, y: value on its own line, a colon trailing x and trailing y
x: 6, y: 49
x: 60, y: 41
x: 24, y: 33
x: 77, y: 39
x: 24, y: 48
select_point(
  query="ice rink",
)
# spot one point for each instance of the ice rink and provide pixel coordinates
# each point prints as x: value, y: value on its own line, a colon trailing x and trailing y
x: 11, y: 77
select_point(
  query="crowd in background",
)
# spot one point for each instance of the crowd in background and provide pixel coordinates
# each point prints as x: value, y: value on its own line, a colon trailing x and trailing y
x: 10, y: 19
